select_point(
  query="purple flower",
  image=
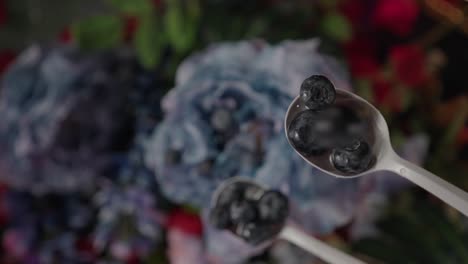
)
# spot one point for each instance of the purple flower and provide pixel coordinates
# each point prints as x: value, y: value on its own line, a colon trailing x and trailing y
x: 128, y: 217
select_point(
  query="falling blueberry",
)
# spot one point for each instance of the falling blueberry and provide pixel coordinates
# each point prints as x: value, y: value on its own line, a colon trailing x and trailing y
x: 317, y: 92
x: 354, y: 158
x: 273, y: 207
x: 302, y: 136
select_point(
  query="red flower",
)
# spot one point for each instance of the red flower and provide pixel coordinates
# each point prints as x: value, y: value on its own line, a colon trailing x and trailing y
x: 385, y: 95
x: 462, y: 137
x: 408, y: 62
x: 353, y: 10
x: 381, y: 89
x: 3, y: 205
x: 131, y: 25
x: 453, y: 2
x: 361, y: 55
x: 157, y: 3
x: 6, y: 58
x: 85, y: 246
x: 396, y: 16
x: 133, y: 259
x: 66, y: 36
x: 187, y: 222
x: 3, y: 12
x: 363, y: 66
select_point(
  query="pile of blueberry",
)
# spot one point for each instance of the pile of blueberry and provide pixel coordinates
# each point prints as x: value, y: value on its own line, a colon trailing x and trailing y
x: 252, y: 213
x: 325, y: 127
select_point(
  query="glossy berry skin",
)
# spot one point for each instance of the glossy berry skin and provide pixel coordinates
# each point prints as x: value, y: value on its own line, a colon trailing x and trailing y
x: 301, y: 133
x: 233, y: 192
x: 354, y: 158
x: 273, y: 207
x: 250, y: 212
x: 220, y: 217
x: 317, y: 92
x: 243, y: 211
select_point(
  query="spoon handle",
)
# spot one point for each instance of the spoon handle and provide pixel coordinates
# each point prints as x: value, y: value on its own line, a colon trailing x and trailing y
x: 442, y: 189
x: 317, y: 247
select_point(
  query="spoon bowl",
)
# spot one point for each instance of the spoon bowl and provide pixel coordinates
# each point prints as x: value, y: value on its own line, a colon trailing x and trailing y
x: 377, y: 133
x: 385, y: 158
x: 284, y: 231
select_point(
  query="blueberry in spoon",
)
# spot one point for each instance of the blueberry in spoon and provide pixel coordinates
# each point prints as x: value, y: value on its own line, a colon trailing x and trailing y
x: 373, y: 154
x: 273, y: 207
x: 249, y: 211
x: 259, y: 217
x: 301, y: 134
x: 317, y: 92
x: 354, y: 158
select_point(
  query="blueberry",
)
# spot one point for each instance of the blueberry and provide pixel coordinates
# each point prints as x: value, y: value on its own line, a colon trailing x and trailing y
x: 232, y: 192
x: 354, y: 158
x: 243, y: 211
x: 302, y: 135
x: 220, y: 217
x: 317, y: 92
x: 273, y: 207
x: 255, y: 234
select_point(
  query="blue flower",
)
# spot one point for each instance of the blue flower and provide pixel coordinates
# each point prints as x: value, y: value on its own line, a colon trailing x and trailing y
x: 67, y: 116
x: 225, y: 118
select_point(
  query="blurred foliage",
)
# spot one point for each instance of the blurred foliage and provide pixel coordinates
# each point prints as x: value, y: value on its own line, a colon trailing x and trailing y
x: 98, y: 32
x: 40, y: 21
x: 416, y: 230
x: 337, y: 27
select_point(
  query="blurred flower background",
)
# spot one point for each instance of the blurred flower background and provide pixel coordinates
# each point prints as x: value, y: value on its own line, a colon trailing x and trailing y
x: 120, y: 118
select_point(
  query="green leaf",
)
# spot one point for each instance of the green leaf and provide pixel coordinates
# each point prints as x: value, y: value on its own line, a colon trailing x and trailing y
x: 364, y: 89
x: 157, y: 256
x: 337, y: 27
x: 406, y: 97
x: 37, y: 21
x: 416, y: 231
x: 454, y: 127
x: 132, y: 7
x: 448, y: 232
x: 182, y: 24
x: 191, y: 209
x: 397, y: 137
x: 99, y: 32
x: 382, y: 249
x: 149, y: 41
x: 329, y: 3
x: 256, y: 27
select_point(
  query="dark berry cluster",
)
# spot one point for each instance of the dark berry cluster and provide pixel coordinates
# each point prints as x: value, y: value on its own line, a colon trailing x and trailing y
x: 353, y: 158
x: 326, y: 126
x: 250, y: 212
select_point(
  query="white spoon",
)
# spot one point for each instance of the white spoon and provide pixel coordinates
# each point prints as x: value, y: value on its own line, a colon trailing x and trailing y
x: 385, y: 157
x: 287, y: 231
